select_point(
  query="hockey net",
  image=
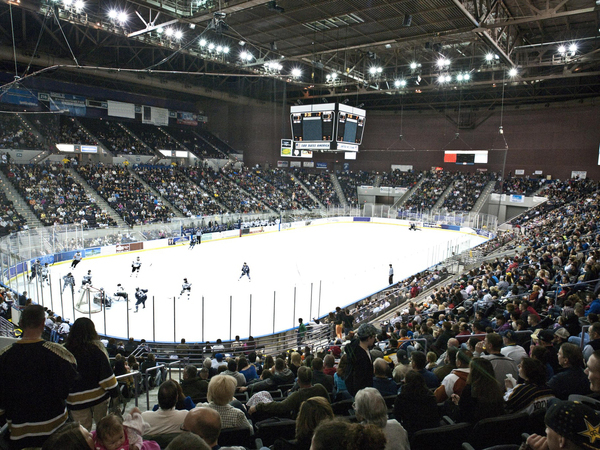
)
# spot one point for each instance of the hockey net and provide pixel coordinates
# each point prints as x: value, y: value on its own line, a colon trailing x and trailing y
x: 89, y: 300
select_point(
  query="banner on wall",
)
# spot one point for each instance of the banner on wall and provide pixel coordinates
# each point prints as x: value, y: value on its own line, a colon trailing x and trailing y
x: 120, y: 109
x: 517, y: 198
x: 155, y: 116
x: 283, y: 164
x: 67, y: 102
x: 21, y: 97
x: 187, y: 118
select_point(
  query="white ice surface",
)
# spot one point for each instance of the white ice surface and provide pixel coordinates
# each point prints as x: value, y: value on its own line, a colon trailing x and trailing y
x: 314, y: 269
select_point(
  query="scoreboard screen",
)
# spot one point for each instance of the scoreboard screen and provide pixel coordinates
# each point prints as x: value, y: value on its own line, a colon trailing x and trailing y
x: 350, y: 128
x: 312, y: 126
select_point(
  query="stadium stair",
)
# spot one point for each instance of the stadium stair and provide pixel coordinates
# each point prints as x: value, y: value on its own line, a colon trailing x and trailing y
x: 406, y: 196
x: 19, y: 202
x: 183, y: 174
x: 310, y: 194
x: 483, y: 198
x: 338, y: 190
x: 440, y: 201
x: 155, y: 192
x: 99, y: 200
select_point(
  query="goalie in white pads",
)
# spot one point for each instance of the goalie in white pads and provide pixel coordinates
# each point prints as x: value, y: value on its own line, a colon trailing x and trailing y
x: 186, y: 287
x: 135, y: 267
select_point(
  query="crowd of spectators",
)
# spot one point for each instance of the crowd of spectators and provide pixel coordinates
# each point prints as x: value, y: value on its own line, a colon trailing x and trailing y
x: 180, y: 191
x: 398, y: 178
x: 125, y: 194
x: 350, y: 181
x: 10, y: 220
x: 224, y: 190
x: 153, y: 136
x: 72, y: 133
x: 114, y: 138
x: 194, y: 143
x: 251, y: 181
x: 430, y: 190
x: 55, y: 196
x: 320, y: 185
x: 284, y: 181
x: 520, y: 185
x: 15, y: 133
x: 467, y: 189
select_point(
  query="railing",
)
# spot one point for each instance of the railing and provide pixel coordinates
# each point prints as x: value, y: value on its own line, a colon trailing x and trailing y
x: 7, y: 329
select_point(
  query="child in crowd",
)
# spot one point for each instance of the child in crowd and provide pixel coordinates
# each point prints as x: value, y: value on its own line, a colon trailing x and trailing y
x: 114, y: 433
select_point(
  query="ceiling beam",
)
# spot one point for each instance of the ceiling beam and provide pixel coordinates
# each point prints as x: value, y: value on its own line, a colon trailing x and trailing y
x: 543, y: 16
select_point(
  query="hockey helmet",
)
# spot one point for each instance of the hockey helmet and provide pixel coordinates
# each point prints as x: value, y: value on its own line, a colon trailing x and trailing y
x: 137, y: 289
x: 138, y: 258
x: 185, y: 279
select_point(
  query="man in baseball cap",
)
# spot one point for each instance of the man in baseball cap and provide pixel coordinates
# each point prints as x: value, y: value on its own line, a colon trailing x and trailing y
x: 569, y: 426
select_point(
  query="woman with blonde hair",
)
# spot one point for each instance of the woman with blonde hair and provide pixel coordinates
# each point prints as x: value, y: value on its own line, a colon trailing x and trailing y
x: 221, y: 389
x: 295, y: 362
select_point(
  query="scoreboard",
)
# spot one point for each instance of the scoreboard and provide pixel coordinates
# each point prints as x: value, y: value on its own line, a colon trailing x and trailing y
x: 327, y: 127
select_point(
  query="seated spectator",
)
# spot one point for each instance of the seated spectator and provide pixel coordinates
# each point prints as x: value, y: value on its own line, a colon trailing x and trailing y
x: 384, y: 384
x: 339, y: 435
x: 232, y: 372
x: 418, y: 362
x: 576, y: 433
x: 482, y: 397
x: 572, y: 379
x: 455, y: 381
x: 71, y: 435
x: 221, y: 389
x: 415, y: 407
x: 281, y: 375
x: 205, y: 423
x: 502, y: 365
x: 154, y: 376
x: 291, y: 405
x: 312, y: 412
x: 511, y: 349
x: 189, y: 441
x: 329, y: 365
x: 167, y: 419
x: 247, y: 369
x: 370, y: 408
x: 192, y: 385
x: 533, y: 394
x: 113, y: 432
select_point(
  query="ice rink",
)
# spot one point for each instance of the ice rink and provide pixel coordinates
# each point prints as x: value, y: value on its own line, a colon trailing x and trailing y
x: 303, y: 272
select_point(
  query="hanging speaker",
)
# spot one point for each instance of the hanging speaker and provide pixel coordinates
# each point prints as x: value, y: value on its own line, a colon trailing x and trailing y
x: 407, y: 20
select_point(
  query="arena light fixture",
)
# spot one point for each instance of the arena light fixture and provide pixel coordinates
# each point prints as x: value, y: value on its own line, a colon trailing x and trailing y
x: 562, y: 49
x: 113, y: 14
x: 211, y: 46
x: 79, y: 5
x: 513, y: 72
x: 400, y: 83
x: 67, y: 3
x: 489, y: 57
x: 219, y: 48
x: 178, y: 35
x: 443, y: 62
x: 122, y: 17
x: 203, y: 42
x: 413, y: 65
x: 296, y: 72
x: 169, y: 32
x: 225, y: 49
x: 573, y: 48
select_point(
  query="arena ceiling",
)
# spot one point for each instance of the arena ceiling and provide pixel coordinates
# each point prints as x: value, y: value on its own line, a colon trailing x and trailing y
x: 381, y: 54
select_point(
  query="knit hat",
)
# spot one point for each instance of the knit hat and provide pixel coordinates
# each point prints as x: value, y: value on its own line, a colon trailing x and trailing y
x: 562, y: 333
x: 575, y: 421
x: 366, y: 330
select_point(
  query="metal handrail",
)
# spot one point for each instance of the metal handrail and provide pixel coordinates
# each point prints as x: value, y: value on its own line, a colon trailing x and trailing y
x: 136, y: 374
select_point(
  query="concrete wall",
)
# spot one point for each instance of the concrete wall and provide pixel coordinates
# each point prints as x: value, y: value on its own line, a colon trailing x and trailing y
x: 556, y: 139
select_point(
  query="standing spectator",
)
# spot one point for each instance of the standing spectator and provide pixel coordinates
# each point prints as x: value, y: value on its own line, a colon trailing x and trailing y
x: 301, y: 332
x: 89, y: 396
x: 36, y: 379
x: 360, y: 369
x: 391, y: 275
x: 415, y: 407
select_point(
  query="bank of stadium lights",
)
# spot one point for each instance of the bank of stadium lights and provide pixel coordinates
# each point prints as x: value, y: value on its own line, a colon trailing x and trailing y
x: 246, y: 56
x: 375, y: 71
x: 273, y: 66
x: 399, y: 84
x: 296, y: 72
x: 443, y: 63
x: 442, y: 79
x: 118, y: 16
x: 513, y: 72
x: 567, y: 51
x: 331, y: 77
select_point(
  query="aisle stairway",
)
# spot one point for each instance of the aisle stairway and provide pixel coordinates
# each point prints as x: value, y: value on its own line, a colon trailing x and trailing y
x: 408, y: 194
x: 99, y: 200
x: 157, y: 194
x: 19, y: 203
x: 338, y: 190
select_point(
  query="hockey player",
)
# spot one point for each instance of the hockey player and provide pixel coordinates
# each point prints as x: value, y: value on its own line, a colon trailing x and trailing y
x: 199, y: 236
x: 102, y: 299
x: 45, y: 273
x: 140, y: 297
x: 192, y: 242
x: 245, y: 271
x: 36, y: 268
x: 76, y: 260
x: 186, y: 287
x: 121, y: 292
x: 69, y: 280
x: 135, y: 267
x: 86, y: 280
